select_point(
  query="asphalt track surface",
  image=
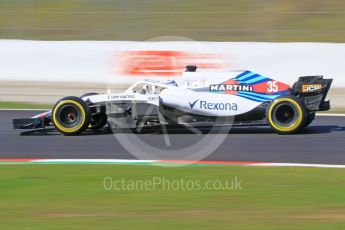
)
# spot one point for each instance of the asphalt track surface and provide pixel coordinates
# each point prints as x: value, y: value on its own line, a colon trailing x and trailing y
x: 321, y: 143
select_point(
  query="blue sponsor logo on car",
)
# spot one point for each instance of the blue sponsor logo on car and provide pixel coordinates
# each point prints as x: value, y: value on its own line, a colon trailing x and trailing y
x: 231, y: 87
x: 192, y: 104
x: 213, y: 105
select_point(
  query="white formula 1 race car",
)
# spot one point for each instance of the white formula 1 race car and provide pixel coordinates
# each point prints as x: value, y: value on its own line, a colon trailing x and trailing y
x: 247, y: 98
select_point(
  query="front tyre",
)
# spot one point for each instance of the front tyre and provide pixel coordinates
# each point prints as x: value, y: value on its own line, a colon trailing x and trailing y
x: 286, y: 115
x: 71, y: 115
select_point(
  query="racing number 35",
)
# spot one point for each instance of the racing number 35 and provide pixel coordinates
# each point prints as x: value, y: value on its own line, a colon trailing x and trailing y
x: 272, y: 86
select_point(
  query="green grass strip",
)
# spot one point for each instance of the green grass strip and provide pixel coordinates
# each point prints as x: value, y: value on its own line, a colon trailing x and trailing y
x: 73, y: 197
x: 23, y: 105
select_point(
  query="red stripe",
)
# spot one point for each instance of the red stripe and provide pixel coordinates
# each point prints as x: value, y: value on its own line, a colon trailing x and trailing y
x: 159, y: 161
x: 18, y: 159
x: 43, y: 114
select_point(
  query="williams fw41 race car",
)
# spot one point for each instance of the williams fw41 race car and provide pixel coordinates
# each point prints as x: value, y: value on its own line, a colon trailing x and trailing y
x: 247, y: 98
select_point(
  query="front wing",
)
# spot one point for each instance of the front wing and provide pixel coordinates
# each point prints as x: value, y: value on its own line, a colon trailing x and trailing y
x: 39, y: 121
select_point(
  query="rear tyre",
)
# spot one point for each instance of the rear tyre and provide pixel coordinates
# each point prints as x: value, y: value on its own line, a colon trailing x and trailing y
x: 71, y: 115
x: 286, y: 115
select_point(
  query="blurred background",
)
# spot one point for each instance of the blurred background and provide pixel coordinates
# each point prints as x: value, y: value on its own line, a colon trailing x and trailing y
x: 207, y: 20
x: 107, y: 21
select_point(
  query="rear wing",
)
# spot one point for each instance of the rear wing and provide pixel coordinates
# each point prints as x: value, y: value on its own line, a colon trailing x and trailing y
x: 312, y: 91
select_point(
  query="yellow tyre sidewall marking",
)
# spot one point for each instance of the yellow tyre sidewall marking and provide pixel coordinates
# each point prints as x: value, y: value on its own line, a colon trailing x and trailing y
x: 72, y: 129
x: 297, y: 123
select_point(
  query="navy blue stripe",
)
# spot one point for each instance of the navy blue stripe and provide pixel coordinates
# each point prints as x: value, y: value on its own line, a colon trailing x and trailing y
x: 264, y: 95
x: 242, y: 74
x: 261, y: 81
x: 251, y: 98
x: 255, y: 97
x: 249, y: 78
x: 261, y: 96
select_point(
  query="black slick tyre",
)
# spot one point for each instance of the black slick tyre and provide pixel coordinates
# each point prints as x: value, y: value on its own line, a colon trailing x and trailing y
x: 286, y: 114
x: 71, y: 115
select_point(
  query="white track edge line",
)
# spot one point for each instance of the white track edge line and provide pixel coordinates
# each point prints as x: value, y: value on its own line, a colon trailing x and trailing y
x: 157, y: 161
x: 298, y: 165
x: 92, y: 161
x: 331, y: 114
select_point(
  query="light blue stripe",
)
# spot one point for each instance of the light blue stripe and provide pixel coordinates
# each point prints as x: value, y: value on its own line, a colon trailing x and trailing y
x: 252, y: 98
x: 255, y: 79
x: 245, y: 76
x: 265, y: 96
x: 243, y: 73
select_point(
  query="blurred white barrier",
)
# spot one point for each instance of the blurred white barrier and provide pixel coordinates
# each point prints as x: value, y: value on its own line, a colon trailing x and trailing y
x: 125, y: 62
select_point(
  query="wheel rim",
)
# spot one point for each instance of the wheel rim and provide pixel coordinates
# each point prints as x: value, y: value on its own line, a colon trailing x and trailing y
x: 69, y: 116
x: 285, y: 115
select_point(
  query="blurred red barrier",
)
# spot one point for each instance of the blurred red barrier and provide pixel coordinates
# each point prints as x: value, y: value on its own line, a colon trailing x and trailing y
x: 164, y: 63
